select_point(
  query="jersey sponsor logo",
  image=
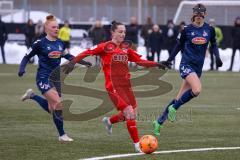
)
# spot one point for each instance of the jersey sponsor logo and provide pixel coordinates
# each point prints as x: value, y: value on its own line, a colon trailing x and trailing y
x: 120, y: 58
x: 199, y: 40
x: 54, y: 54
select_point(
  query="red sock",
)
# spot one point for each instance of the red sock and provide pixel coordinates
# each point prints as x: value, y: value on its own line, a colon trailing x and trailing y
x: 117, y: 118
x: 133, y: 131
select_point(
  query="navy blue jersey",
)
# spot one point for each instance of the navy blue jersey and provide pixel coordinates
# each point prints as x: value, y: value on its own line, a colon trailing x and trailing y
x: 193, y: 42
x: 49, y: 54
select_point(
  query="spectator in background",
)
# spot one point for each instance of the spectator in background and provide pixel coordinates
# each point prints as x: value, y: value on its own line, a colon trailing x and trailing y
x: 182, y: 24
x: 3, y: 38
x: 132, y: 32
x: 219, y: 38
x: 65, y: 35
x: 170, y: 36
x: 155, y: 42
x: 29, y: 32
x: 235, y: 40
x: 145, y: 32
x: 39, y: 29
x: 98, y: 35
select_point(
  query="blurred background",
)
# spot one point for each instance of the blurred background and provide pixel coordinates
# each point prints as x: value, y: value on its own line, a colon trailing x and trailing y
x: 89, y: 21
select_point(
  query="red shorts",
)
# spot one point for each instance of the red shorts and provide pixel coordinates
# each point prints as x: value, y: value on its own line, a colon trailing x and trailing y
x: 122, y: 97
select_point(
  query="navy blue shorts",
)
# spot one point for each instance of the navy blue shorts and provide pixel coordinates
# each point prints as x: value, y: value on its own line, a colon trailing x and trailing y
x: 44, y: 84
x: 186, y: 69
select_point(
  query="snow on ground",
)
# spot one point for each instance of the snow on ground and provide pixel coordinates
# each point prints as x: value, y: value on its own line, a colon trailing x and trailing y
x: 15, y: 52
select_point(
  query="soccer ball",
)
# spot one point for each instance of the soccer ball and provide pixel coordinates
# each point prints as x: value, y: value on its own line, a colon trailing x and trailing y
x: 148, y: 144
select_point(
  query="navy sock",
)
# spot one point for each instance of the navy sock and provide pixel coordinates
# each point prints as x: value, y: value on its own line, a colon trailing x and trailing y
x: 187, y: 96
x: 58, y: 120
x: 161, y: 119
x: 41, y: 101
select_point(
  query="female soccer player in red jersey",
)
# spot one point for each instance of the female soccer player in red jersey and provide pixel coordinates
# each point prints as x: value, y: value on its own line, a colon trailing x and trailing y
x: 115, y: 55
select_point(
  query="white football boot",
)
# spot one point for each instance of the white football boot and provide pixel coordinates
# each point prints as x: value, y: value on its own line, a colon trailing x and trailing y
x: 27, y: 94
x: 65, y: 138
x: 137, y: 147
x: 107, y: 124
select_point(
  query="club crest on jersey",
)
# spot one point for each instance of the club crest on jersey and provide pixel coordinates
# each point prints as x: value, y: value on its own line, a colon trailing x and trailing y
x: 125, y: 50
x: 205, y: 34
x: 59, y: 48
x: 199, y: 40
x: 120, y: 58
x: 54, y: 54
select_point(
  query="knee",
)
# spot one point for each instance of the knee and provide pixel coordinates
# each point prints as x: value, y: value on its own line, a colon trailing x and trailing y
x: 55, y: 105
x: 197, y: 90
x: 129, y: 113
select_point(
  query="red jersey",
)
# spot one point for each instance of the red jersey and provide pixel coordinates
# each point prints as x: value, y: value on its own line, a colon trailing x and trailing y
x: 114, y: 61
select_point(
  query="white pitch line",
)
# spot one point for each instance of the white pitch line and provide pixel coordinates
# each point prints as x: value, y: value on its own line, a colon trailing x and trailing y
x: 163, y: 152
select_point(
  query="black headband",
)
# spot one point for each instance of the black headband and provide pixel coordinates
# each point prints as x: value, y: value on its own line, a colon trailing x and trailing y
x: 199, y: 9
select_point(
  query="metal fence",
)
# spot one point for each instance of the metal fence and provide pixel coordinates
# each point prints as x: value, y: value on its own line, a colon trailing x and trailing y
x: 85, y: 11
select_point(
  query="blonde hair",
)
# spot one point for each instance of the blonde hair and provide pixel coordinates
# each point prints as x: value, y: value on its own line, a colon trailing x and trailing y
x: 50, y: 18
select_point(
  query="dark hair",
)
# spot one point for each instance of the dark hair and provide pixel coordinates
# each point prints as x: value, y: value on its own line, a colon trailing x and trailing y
x: 182, y: 23
x: 114, y: 25
x: 235, y: 22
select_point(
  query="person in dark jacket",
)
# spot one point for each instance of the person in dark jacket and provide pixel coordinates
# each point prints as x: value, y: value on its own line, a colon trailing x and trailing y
x: 98, y: 35
x: 29, y: 32
x: 170, y: 36
x: 155, y: 42
x: 145, y: 32
x: 235, y: 40
x: 132, y: 32
x: 3, y: 38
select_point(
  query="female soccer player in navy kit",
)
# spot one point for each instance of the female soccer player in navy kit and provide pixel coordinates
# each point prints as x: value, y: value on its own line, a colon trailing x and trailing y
x: 49, y: 50
x: 115, y: 55
x: 192, y: 42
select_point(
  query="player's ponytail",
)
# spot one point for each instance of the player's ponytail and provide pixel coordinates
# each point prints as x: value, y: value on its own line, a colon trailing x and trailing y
x: 114, y: 25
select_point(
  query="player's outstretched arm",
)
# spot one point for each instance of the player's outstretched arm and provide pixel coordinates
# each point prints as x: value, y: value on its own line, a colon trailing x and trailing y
x: 70, y: 57
x: 134, y: 57
x: 67, y: 68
